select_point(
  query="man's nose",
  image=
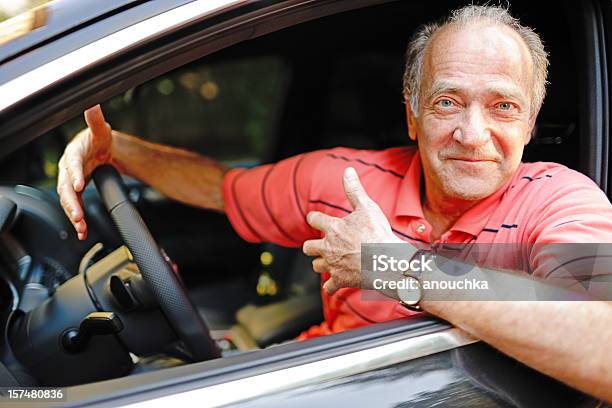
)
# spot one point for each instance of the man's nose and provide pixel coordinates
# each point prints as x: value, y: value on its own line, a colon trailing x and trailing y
x: 473, y: 131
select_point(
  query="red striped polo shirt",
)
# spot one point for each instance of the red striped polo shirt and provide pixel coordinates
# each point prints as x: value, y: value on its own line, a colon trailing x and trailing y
x: 541, y: 203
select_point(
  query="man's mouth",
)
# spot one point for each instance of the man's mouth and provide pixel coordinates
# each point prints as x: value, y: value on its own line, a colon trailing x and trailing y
x: 471, y: 159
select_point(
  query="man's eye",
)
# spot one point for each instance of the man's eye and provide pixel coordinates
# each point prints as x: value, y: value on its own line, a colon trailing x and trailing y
x: 505, y: 106
x: 445, y: 103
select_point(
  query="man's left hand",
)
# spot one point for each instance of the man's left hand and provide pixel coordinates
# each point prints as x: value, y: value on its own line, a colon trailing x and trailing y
x: 339, y: 251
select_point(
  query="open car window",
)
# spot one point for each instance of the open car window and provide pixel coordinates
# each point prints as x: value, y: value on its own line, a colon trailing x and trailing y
x: 228, y: 110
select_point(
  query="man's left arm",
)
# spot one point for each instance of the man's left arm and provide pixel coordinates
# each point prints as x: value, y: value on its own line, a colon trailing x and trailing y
x: 568, y: 340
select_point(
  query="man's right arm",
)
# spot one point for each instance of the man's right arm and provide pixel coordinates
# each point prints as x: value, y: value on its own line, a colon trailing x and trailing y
x: 179, y: 174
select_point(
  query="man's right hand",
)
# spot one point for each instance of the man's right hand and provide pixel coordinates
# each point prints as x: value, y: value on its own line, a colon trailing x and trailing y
x: 89, y: 149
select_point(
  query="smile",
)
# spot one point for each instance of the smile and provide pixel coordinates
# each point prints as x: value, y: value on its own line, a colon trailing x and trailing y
x: 469, y: 160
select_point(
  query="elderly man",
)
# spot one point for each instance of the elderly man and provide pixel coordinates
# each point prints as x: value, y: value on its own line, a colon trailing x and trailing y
x: 474, y: 86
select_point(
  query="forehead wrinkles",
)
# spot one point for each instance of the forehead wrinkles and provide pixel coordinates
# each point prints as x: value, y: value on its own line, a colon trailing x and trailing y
x: 489, y: 52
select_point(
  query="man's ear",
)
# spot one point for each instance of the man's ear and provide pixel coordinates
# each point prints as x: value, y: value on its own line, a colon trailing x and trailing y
x: 411, y: 119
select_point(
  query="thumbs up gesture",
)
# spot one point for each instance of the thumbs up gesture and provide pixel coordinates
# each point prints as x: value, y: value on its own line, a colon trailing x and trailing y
x: 339, y: 251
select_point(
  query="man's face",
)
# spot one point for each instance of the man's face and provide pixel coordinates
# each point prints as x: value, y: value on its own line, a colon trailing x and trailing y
x: 474, y: 117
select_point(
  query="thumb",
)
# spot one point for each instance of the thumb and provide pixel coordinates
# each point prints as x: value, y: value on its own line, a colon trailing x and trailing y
x: 355, y: 192
x: 96, y: 122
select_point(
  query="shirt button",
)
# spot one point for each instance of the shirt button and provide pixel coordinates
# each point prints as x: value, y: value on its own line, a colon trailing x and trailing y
x: 421, y: 228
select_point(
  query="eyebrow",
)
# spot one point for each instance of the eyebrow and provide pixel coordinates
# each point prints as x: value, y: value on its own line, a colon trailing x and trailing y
x: 443, y: 86
x: 439, y: 87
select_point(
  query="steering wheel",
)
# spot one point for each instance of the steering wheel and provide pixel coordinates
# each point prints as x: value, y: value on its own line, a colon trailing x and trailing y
x: 164, y: 283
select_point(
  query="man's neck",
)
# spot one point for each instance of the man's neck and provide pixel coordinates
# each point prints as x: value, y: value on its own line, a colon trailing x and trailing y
x: 442, y: 213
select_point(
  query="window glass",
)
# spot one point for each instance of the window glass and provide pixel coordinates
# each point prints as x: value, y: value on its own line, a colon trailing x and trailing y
x: 226, y: 110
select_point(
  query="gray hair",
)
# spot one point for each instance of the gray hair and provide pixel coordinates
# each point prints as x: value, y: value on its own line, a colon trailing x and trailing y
x: 417, y: 46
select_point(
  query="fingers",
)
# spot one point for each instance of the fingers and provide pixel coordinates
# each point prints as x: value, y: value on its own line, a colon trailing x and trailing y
x: 70, y: 201
x: 320, y: 221
x: 71, y: 175
x: 96, y: 122
x: 90, y: 148
x: 355, y: 192
x: 81, y: 229
x: 74, y: 168
x: 81, y: 225
x: 330, y: 286
x: 313, y: 247
x: 319, y: 265
x: 68, y: 197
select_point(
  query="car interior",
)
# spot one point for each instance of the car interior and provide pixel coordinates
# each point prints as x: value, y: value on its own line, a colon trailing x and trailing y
x: 333, y: 81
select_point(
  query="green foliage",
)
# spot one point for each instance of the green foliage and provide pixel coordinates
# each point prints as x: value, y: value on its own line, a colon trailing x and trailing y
x: 225, y: 110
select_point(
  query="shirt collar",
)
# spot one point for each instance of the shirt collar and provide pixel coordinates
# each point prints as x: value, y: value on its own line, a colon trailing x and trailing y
x: 409, y: 201
x: 474, y: 220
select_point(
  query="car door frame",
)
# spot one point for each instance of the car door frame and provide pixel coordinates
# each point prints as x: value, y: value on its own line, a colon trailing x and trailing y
x: 255, y: 374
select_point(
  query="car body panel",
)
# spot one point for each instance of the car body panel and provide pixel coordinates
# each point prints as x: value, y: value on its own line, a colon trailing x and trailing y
x: 324, y: 369
x: 468, y: 376
x: 59, y: 18
x: 406, y: 362
x: 62, y: 67
x: 69, y: 26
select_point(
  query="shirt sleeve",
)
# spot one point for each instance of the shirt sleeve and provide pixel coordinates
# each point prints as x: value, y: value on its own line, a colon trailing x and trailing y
x: 269, y: 203
x: 571, y: 238
x: 575, y: 211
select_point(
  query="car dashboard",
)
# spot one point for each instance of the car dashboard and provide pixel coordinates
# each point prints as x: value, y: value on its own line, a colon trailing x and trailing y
x: 38, y: 250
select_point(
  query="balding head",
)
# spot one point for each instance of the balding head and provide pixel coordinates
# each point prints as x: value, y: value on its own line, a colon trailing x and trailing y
x: 481, y: 21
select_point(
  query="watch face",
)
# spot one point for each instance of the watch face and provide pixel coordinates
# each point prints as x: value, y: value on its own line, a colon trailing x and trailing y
x: 410, y: 293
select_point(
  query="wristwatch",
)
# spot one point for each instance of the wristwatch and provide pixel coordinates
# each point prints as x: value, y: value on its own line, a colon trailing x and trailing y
x: 411, y: 293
